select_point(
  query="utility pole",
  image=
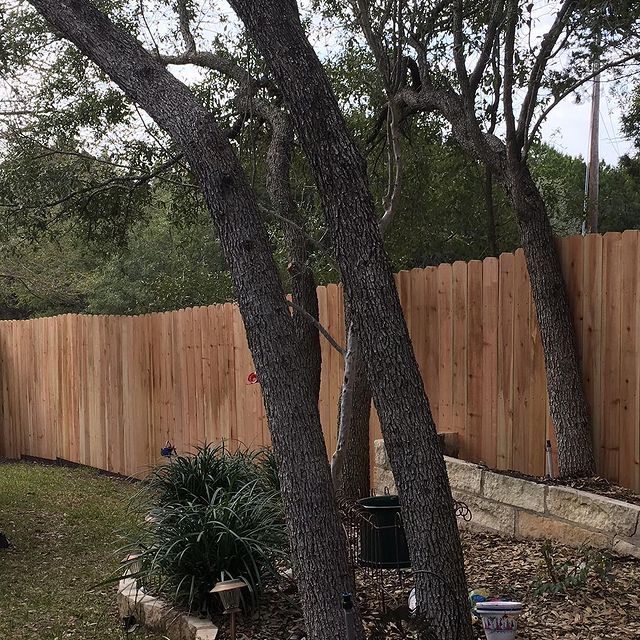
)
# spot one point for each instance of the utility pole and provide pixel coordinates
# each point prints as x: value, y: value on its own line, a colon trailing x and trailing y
x: 592, y: 182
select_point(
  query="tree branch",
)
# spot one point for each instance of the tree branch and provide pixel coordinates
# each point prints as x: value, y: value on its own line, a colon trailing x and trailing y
x: 185, y: 26
x: 509, y: 52
x: 316, y: 323
x: 458, y: 50
x: 576, y: 85
x: 137, y: 181
x: 392, y: 196
x: 489, y: 41
x: 537, y: 72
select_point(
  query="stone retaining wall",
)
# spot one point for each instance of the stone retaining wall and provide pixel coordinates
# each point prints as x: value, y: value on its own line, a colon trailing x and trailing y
x: 156, y: 615
x: 526, y: 509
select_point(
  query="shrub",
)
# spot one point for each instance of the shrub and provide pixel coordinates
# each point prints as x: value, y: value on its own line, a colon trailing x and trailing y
x: 565, y: 576
x: 197, y: 477
x: 215, y: 515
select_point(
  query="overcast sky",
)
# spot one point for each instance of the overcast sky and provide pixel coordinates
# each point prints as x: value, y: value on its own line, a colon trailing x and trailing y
x: 567, y: 128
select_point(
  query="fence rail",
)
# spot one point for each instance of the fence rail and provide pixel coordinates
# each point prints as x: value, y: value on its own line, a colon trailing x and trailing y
x: 109, y: 391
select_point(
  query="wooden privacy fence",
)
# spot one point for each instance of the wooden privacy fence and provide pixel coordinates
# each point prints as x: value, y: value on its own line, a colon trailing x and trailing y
x: 109, y: 391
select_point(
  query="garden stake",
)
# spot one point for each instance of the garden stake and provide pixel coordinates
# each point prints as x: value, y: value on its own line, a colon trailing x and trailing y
x: 347, y: 605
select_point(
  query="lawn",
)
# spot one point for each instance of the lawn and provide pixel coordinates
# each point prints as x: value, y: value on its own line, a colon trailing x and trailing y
x: 63, y: 524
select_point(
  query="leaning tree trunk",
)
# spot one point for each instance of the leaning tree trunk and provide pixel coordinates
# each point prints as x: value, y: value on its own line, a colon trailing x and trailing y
x: 405, y: 416
x: 567, y: 402
x: 318, y: 544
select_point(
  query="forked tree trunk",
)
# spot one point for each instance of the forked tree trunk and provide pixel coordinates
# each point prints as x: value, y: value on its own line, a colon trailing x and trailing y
x: 317, y: 540
x: 405, y: 416
x: 567, y: 402
x: 303, y: 283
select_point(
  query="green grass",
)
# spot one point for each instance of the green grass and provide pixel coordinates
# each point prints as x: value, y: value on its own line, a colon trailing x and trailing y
x: 64, y: 526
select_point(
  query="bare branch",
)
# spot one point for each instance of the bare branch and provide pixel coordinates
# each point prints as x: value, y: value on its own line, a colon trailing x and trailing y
x: 497, y: 83
x: 315, y: 323
x: 458, y: 49
x: 209, y: 61
x: 185, y: 26
x: 561, y: 96
x: 509, y: 49
x: 430, y: 22
x: 137, y: 180
x: 392, y: 196
x: 537, y: 72
x: 374, y: 40
x: 497, y: 15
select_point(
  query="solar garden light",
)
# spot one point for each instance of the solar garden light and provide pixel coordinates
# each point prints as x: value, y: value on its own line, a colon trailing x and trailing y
x: 229, y: 592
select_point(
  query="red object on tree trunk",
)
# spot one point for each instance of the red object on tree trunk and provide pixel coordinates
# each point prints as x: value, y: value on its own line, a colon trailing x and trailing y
x: 252, y: 378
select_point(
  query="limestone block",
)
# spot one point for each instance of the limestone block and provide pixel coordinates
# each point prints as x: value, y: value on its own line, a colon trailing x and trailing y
x: 593, y: 511
x: 514, y: 491
x: 380, y: 454
x: 201, y: 629
x: 384, y: 481
x: 532, y: 525
x: 487, y: 514
x: 464, y: 476
x: 176, y: 626
x: 155, y: 614
x: 627, y: 546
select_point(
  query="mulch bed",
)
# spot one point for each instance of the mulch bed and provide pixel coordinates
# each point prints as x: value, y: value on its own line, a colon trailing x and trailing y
x: 596, y: 484
x: 505, y: 567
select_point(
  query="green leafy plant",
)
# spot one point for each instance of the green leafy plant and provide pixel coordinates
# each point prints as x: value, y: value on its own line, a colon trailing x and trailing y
x: 209, y: 516
x: 197, y: 477
x: 565, y: 576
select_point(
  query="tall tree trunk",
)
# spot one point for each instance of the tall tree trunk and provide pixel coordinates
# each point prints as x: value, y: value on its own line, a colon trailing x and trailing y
x: 350, y: 465
x: 492, y: 241
x: 567, y: 402
x: 317, y: 540
x: 303, y: 282
x: 407, y: 423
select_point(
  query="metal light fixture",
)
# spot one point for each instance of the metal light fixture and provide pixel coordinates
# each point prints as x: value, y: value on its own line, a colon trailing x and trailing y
x: 229, y: 592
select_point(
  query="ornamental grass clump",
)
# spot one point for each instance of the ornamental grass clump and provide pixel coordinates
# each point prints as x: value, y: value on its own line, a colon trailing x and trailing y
x: 213, y: 515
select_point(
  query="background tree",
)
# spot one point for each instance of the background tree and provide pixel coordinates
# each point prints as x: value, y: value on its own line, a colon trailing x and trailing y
x: 494, y: 55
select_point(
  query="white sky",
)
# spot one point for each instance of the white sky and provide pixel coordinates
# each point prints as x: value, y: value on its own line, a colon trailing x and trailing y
x: 567, y: 129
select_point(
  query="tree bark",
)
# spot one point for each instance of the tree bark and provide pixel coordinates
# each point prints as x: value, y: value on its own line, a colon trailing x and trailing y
x: 350, y: 465
x: 567, y: 402
x: 407, y: 423
x: 317, y: 540
x: 303, y: 282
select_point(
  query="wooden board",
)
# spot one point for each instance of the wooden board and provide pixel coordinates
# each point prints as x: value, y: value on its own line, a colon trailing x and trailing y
x: 610, y: 382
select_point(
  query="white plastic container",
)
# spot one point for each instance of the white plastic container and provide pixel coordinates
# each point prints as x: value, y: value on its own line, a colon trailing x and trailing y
x: 499, y: 619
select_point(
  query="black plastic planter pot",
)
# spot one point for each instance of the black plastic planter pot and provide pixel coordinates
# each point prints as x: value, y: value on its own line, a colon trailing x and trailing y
x: 382, y: 540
